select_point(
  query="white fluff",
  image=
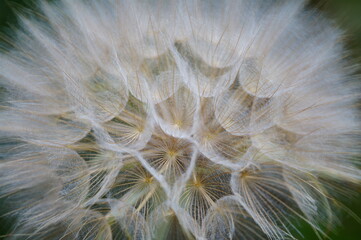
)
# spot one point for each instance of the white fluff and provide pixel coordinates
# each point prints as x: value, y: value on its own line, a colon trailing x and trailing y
x: 175, y: 119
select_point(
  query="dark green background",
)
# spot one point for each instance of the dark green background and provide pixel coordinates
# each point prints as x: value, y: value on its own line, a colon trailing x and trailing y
x: 348, y: 16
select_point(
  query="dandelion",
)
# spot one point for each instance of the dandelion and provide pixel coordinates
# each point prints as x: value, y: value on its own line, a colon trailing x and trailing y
x: 175, y: 120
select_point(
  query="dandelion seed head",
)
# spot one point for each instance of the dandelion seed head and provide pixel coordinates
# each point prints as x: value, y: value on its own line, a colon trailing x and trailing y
x: 175, y: 120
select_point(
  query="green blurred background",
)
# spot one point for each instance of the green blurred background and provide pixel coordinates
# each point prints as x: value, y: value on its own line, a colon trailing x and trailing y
x: 347, y: 14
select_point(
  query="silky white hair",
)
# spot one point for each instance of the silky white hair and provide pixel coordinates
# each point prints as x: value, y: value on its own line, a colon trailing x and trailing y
x: 186, y: 119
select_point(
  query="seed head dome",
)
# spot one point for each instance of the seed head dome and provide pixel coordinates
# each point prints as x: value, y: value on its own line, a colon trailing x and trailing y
x: 175, y: 120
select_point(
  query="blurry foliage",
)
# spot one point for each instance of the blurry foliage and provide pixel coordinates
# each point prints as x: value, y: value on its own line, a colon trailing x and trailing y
x: 347, y: 14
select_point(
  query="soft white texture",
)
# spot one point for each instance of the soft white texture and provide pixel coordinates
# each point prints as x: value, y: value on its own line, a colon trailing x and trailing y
x: 175, y: 119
